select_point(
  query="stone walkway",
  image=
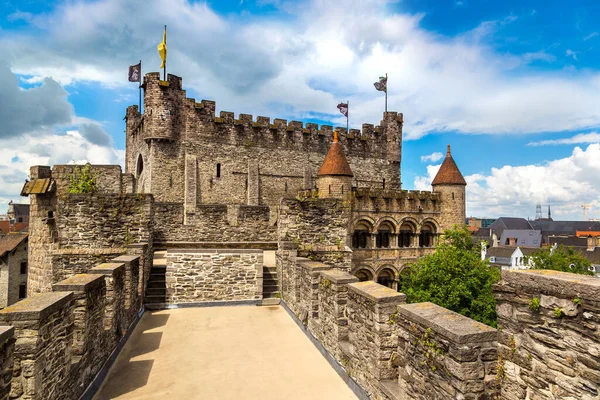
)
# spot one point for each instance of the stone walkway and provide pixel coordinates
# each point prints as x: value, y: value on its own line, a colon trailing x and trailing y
x: 244, y: 352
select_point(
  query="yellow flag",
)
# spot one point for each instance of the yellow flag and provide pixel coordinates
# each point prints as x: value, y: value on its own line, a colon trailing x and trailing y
x: 162, y: 49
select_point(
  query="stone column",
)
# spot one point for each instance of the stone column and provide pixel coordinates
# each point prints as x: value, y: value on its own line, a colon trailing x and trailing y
x: 146, y: 259
x: 44, y: 331
x: 7, y: 348
x: 372, y: 335
x: 333, y: 299
x: 89, y: 292
x: 114, y: 318
x: 133, y: 301
x: 549, y: 340
x: 443, y: 355
x: 285, y: 259
x: 253, y: 183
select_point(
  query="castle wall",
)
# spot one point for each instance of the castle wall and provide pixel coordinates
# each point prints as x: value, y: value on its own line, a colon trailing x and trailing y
x: 549, y: 344
x: 213, y: 275
x: 70, y: 233
x: 214, y: 223
x: 64, y: 337
x: 286, y: 153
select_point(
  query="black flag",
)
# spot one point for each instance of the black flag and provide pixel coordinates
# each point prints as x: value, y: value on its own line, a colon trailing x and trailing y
x: 135, y: 72
x: 343, y: 107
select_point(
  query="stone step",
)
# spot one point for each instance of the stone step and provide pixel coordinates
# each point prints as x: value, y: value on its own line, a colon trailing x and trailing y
x: 158, y: 268
x: 271, y: 295
x: 149, y: 299
x: 156, y: 306
x: 157, y: 277
x: 157, y: 284
x: 160, y: 291
x: 270, y: 288
x: 270, y: 281
x: 270, y: 302
x: 270, y: 270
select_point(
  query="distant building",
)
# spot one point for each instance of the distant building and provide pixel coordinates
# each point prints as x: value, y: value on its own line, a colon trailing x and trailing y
x: 508, y: 257
x: 18, y: 213
x: 13, y: 268
x: 479, y: 222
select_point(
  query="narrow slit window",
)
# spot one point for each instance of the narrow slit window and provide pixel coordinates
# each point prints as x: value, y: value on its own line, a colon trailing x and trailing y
x: 452, y: 195
x: 218, y: 170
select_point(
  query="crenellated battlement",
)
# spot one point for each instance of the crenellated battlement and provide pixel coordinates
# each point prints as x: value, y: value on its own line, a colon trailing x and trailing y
x: 169, y: 114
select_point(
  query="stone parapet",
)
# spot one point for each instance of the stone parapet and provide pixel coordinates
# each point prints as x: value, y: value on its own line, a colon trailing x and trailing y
x: 115, y: 319
x: 308, y: 289
x: 7, y: 348
x: 43, y: 329
x: 89, y: 344
x: 198, y: 275
x: 372, y: 338
x: 443, y: 355
x: 133, y: 301
x: 549, y: 344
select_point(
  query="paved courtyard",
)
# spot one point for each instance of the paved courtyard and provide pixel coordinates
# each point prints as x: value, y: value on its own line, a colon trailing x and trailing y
x: 244, y: 352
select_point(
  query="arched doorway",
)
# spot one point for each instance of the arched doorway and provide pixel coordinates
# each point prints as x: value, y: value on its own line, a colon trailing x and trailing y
x: 364, y: 275
x: 384, y: 235
x: 427, y: 235
x: 387, y: 277
x: 407, y: 232
x: 360, y: 237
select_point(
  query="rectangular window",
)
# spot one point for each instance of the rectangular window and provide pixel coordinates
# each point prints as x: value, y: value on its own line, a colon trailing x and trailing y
x: 22, y: 291
x: 23, y: 267
x: 218, y: 170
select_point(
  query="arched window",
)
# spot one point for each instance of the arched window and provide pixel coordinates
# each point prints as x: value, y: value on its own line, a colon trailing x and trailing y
x: 386, y: 277
x: 407, y: 232
x: 360, y: 237
x: 426, y: 236
x: 384, y: 233
x: 364, y: 275
x: 140, y: 166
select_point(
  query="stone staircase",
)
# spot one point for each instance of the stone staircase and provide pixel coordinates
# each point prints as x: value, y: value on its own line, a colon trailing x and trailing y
x: 271, y: 293
x: 156, y: 291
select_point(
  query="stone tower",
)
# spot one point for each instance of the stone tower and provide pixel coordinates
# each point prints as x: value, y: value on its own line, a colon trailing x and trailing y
x: 335, y: 175
x: 451, y: 186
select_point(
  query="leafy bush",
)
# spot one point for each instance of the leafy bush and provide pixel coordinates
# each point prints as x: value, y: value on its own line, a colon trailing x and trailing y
x: 454, y: 277
x: 83, y: 180
x: 561, y: 259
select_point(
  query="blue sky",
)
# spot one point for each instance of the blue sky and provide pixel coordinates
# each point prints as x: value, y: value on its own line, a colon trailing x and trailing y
x: 511, y: 85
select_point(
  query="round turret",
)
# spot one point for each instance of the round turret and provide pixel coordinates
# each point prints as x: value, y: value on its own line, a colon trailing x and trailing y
x: 335, y: 175
x: 451, y: 185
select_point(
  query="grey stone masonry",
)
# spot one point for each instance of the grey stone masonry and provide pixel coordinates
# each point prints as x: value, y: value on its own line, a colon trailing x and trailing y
x: 213, y: 275
x: 115, y: 321
x: 89, y: 292
x: 309, y: 279
x: 43, y: 327
x: 373, y: 340
x: 133, y: 301
x: 444, y: 355
x: 7, y: 348
x: 333, y: 300
x: 549, y: 344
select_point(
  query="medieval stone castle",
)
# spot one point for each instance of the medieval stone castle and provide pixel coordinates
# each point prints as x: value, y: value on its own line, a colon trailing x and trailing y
x: 223, y: 210
x: 191, y: 161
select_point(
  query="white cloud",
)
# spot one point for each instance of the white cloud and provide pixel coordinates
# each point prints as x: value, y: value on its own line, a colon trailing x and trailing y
x: 320, y: 55
x: 433, y: 157
x: 581, y: 138
x: 571, y: 53
x: 565, y: 184
x: 590, y: 36
x: 46, y: 148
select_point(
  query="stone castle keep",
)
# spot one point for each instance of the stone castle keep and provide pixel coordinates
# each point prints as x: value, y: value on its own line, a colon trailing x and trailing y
x: 222, y: 210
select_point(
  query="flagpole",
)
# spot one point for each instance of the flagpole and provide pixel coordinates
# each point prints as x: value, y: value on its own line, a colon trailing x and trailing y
x: 347, y: 118
x: 165, y: 67
x: 140, y: 86
x: 386, y: 89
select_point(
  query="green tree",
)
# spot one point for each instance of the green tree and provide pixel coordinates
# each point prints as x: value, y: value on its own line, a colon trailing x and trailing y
x: 560, y: 259
x: 454, y: 277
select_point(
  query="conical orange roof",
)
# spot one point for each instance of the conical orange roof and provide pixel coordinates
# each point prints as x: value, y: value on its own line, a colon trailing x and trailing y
x: 449, y: 174
x: 335, y: 162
